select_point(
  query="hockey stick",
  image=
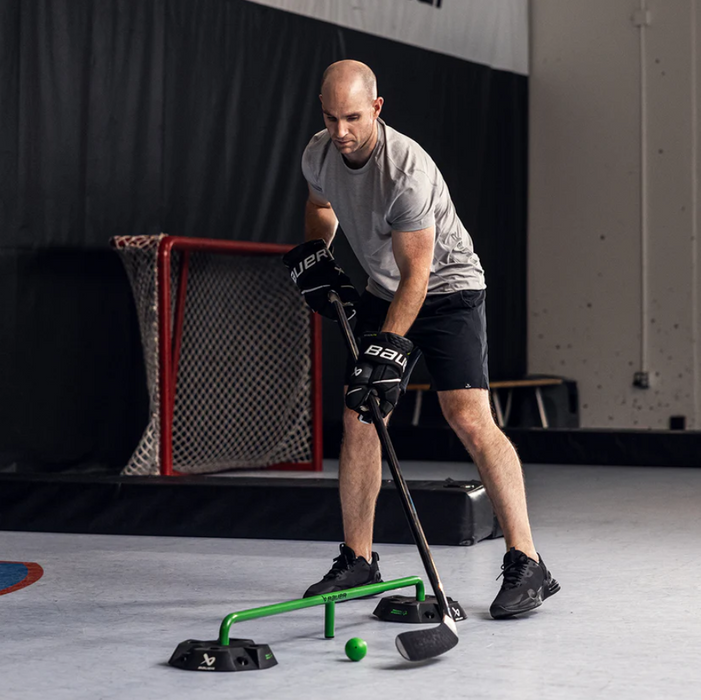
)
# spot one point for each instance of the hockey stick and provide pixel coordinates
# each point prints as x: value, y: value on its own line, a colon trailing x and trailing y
x: 421, y: 644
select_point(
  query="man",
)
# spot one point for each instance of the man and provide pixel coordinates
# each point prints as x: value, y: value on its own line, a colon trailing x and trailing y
x: 426, y: 290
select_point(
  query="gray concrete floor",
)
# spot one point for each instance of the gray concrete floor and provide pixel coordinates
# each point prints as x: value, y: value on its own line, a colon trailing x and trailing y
x: 623, y: 542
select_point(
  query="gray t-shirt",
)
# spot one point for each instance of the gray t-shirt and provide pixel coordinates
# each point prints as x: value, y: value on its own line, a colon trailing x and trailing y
x: 398, y: 189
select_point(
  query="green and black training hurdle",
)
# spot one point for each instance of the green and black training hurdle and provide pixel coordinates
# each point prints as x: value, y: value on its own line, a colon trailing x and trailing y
x: 227, y: 654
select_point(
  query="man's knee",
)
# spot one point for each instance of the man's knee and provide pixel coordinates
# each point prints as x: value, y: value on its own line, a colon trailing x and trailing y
x: 473, y: 423
x: 476, y: 432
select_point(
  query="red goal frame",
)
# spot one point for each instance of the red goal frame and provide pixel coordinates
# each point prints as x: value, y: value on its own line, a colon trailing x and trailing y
x: 168, y: 352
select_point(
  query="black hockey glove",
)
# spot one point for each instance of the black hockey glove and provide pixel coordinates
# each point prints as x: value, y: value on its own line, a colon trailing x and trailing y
x: 316, y: 273
x: 382, y: 361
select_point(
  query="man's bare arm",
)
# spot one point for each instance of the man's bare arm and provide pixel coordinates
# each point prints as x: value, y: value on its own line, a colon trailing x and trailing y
x: 413, y: 252
x: 319, y: 219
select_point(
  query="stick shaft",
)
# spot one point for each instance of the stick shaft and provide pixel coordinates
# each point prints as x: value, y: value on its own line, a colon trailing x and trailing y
x: 391, y: 456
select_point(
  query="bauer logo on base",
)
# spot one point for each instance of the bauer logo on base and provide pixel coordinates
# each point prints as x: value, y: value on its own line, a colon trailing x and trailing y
x: 209, y: 663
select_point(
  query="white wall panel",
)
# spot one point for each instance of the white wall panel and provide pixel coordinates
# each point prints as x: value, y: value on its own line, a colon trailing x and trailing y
x: 491, y: 32
x: 595, y: 313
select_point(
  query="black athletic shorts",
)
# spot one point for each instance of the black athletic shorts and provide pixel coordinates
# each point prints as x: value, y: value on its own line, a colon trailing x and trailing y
x: 450, y: 331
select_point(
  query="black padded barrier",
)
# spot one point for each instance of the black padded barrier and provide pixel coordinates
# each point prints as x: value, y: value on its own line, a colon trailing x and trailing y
x: 452, y: 513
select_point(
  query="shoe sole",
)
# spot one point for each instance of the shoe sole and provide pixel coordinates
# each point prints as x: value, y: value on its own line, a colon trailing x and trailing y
x: 500, y: 612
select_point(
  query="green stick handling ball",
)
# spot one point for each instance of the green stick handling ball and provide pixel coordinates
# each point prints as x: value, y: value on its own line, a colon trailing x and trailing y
x: 356, y: 649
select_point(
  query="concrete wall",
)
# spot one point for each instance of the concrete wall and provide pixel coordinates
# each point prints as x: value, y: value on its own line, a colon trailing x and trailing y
x: 614, y: 178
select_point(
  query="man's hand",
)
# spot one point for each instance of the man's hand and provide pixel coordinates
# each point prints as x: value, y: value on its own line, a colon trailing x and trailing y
x: 316, y: 273
x: 382, y: 361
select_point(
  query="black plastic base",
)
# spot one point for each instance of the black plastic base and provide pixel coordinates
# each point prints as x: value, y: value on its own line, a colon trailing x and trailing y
x: 400, y: 608
x: 240, y: 655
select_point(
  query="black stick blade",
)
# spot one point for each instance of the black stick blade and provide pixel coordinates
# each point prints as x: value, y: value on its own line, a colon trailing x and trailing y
x: 419, y: 645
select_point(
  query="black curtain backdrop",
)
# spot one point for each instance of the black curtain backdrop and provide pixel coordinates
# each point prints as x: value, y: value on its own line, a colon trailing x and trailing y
x: 190, y: 117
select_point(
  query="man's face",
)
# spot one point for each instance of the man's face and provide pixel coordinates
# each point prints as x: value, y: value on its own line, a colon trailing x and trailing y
x: 350, y: 115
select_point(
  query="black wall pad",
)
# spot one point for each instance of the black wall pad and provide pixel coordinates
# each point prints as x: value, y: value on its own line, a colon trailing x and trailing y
x: 624, y: 448
x: 452, y: 513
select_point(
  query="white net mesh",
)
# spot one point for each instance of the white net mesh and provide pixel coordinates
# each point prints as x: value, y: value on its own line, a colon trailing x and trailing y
x: 243, y: 390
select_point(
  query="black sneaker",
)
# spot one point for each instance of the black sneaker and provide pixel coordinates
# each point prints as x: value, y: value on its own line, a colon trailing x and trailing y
x: 527, y: 583
x: 348, y: 571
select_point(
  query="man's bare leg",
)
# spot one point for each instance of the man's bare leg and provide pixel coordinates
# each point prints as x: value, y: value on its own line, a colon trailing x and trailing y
x: 469, y: 414
x: 360, y: 478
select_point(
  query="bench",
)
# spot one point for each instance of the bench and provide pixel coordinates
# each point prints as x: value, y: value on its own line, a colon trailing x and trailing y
x: 502, y: 415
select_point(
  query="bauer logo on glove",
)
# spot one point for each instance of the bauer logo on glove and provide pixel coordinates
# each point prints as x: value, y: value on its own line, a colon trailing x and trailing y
x: 304, y: 265
x: 315, y: 272
x: 386, y: 354
x: 382, y: 361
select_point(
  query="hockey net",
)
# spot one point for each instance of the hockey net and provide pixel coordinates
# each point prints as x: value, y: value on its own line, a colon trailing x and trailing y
x: 232, y: 357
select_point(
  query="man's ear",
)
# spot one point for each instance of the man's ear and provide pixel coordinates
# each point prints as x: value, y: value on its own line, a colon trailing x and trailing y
x: 377, y: 106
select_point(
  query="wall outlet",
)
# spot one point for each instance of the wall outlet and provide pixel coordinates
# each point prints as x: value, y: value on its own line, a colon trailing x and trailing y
x: 641, y: 380
x: 677, y: 422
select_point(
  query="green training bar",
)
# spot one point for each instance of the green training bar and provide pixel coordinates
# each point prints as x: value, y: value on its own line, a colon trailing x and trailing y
x: 329, y: 601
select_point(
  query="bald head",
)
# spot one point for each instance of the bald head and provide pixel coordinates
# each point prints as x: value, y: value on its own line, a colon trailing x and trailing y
x: 349, y: 77
x: 351, y: 107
